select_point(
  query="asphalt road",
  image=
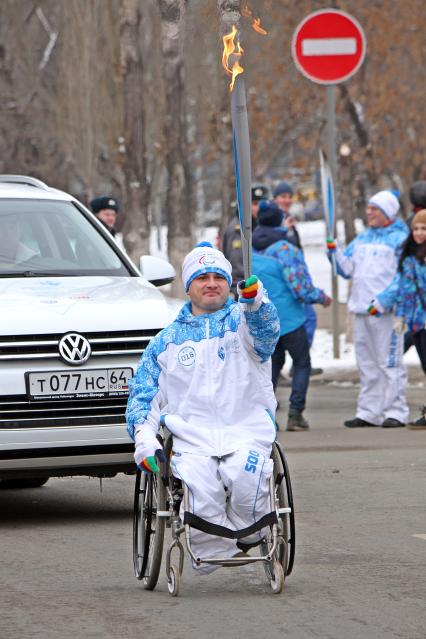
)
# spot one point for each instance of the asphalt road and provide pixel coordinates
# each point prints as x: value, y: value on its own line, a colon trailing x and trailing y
x: 66, y: 559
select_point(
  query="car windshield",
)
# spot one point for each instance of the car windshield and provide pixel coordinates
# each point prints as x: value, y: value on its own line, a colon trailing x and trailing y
x: 48, y: 237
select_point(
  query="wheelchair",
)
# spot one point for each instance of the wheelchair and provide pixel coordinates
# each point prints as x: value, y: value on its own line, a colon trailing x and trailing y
x: 157, y: 502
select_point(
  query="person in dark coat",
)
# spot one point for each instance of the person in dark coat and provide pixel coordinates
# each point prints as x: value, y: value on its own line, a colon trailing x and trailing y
x: 231, y: 243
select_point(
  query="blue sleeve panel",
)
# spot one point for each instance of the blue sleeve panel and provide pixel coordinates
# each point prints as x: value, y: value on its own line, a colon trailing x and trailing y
x: 388, y: 297
x: 296, y: 273
x: 264, y: 328
x: 142, y: 389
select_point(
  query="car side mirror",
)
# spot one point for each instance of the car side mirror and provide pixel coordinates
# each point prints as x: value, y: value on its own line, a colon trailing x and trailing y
x: 156, y: 270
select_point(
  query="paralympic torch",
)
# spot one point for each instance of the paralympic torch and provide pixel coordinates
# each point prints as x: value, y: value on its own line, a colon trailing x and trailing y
x: 240, y: 132
x: 241, y: 140
x: 327, y: 188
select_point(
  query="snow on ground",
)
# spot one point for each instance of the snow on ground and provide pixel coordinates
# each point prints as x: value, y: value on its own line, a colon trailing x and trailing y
x: 313, y: 236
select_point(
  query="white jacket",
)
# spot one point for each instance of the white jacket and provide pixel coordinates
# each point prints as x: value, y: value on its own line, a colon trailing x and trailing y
x: 208, y: 379
x: 371, y: 260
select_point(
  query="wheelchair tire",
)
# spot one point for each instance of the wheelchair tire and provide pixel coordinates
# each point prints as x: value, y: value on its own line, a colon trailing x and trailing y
x: 173, y: 584
x: 287, y: 549
x: 277, y: 578
x: 148, y: 529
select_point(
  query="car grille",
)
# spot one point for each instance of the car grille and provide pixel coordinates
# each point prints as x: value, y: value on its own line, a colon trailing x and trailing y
x: 21, y: 347
x: 16, y: 411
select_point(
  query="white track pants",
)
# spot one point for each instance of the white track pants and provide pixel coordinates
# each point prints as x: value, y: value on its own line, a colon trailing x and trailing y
x: 383, y: 374
x: 245, y: 475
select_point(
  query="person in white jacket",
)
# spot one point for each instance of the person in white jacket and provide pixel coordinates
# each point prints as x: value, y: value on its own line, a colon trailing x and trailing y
x: 207, y: 378
x: 371, y: 260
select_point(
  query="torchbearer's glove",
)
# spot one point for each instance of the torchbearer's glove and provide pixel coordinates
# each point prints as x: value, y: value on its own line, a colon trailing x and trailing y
x: 331, y: 245
x: 250, y: 292
x: 374, y: 308
x: 146, y: 457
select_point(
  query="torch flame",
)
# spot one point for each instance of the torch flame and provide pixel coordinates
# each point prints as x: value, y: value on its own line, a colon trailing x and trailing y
x: 230, y: 48
x: 256, y: 26
x: 248, y: 13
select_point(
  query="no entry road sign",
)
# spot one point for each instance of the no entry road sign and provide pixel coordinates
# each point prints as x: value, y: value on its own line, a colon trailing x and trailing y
x: 328, y: 46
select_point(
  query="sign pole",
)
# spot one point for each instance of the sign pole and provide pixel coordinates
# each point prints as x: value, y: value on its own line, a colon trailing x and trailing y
x: 328, y: 47
x: 331, y: 152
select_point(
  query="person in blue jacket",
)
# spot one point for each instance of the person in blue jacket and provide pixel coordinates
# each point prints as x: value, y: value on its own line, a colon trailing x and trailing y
x: 284, y: 273
x: 283, y: 196
x: 371, y: 260
x: 207, y: 378
x: 406, y: 294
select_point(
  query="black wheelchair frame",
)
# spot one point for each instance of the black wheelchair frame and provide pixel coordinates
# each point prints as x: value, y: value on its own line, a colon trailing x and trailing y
x: 157, y: 501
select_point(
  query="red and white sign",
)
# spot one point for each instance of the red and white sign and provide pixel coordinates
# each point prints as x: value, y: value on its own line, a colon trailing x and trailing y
x: 328, y: 46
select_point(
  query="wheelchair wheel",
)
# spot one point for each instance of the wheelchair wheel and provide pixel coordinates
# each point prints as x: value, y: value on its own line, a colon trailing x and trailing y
x: 277, y: 577
x: 287, y: 527
x: 148, y: 529
x: 173, y: 584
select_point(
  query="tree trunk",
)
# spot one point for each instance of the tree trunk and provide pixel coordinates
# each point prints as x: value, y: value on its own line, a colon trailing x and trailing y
x: 178, y: 195
x: 136, y: 224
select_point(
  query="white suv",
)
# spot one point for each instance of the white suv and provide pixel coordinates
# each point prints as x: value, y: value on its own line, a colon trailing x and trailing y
x: 75, y: 316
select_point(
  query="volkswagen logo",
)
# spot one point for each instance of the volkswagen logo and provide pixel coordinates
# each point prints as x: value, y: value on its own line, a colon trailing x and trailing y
x: 74, y: 349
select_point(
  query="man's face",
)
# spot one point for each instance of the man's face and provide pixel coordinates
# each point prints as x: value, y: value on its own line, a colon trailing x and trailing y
x: 375, y: 217
x: 208, y: 293
x: 254, y: 208
x: 107, y: 216
x: 419, y: 233
x: 284, y: 201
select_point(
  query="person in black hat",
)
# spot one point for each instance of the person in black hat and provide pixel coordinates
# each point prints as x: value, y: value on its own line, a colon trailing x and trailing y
x: 231, y: 243
x: 106, y: 208
x: 283, y: 196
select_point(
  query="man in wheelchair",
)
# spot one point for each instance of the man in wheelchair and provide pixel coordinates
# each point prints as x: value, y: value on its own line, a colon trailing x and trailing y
x: 207, y: 379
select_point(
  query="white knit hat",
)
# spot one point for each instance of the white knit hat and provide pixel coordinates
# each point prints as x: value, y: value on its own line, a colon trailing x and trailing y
x: 387, y: 202
x: 205, y: 259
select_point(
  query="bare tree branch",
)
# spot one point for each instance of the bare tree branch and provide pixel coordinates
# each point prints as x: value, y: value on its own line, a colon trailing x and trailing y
x: 53, y: 36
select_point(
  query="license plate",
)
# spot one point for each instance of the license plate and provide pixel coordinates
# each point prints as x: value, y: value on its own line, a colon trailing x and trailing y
x: 102, y: 382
